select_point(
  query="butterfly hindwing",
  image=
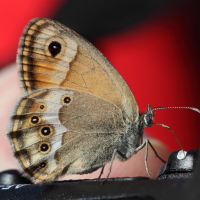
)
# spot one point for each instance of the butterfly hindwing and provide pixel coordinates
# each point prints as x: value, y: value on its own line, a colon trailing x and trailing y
x: 61, y: 128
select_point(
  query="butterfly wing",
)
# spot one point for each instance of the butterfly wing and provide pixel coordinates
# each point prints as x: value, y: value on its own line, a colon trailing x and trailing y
x: 77, y: 65
x: 76, y: 105
x: 50, y: 134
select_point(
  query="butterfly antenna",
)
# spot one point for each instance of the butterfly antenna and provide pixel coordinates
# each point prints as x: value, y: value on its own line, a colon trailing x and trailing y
x: 159, y: 108
x: 191, y: 108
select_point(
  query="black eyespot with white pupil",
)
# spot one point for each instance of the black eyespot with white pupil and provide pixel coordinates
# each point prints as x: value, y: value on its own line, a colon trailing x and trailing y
x: 43, y: 164
x: 67, y: 100
x: 45, y: 131
x: 34, y: 119
x: 44, y: 147
x: 41, y: 106
x: 54, y: 48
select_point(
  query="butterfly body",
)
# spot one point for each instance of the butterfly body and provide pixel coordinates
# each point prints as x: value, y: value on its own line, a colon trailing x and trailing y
x: 77, y: 110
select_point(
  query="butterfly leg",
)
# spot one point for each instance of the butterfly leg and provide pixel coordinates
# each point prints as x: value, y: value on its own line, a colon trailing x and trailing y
x: 156, y: 152
x: 101, y: 172
x: 147, y: 142
x: 113, y: 157
x: 146, y: 155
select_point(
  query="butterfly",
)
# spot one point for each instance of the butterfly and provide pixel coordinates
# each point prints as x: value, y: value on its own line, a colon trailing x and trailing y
x: 77, y: 112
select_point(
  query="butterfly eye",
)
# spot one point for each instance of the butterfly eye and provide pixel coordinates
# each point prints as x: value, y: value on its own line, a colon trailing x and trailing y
x: 34, y: 119
x: 54, y: 48
x: 45, y: 131
x: 67, y: 99
x: 43, y: 164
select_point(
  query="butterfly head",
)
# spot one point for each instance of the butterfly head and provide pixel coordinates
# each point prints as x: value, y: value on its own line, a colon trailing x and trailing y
x: 146, y: 119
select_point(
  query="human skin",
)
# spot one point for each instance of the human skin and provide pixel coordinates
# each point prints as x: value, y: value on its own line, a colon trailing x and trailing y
x: 9, y: 93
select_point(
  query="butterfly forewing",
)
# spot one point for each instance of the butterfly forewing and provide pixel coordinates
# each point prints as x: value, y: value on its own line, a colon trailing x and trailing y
x: 78, y: 65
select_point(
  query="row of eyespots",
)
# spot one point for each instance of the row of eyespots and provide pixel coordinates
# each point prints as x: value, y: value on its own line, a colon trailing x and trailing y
x: 46, y: 131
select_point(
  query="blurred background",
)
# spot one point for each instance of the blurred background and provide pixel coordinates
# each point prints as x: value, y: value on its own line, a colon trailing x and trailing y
x: 153, y: 44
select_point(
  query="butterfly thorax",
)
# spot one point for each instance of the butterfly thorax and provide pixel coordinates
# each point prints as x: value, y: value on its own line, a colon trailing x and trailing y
x: 134, y: 135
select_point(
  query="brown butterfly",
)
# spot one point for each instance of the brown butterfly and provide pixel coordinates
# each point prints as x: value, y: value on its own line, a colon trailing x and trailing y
x: 77, y: 113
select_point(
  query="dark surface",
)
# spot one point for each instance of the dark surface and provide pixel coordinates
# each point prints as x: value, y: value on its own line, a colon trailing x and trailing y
x: 178, y: 168
x: 10, y: 177
x: 174, y: 187
x: 117, y: 188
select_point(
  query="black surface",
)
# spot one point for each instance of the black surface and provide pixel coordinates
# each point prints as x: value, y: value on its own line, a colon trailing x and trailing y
x: 9, y: 177
x: 178, y: 168
x: 175, y: 164
x: 118, y: 188
x: 172, y: 188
